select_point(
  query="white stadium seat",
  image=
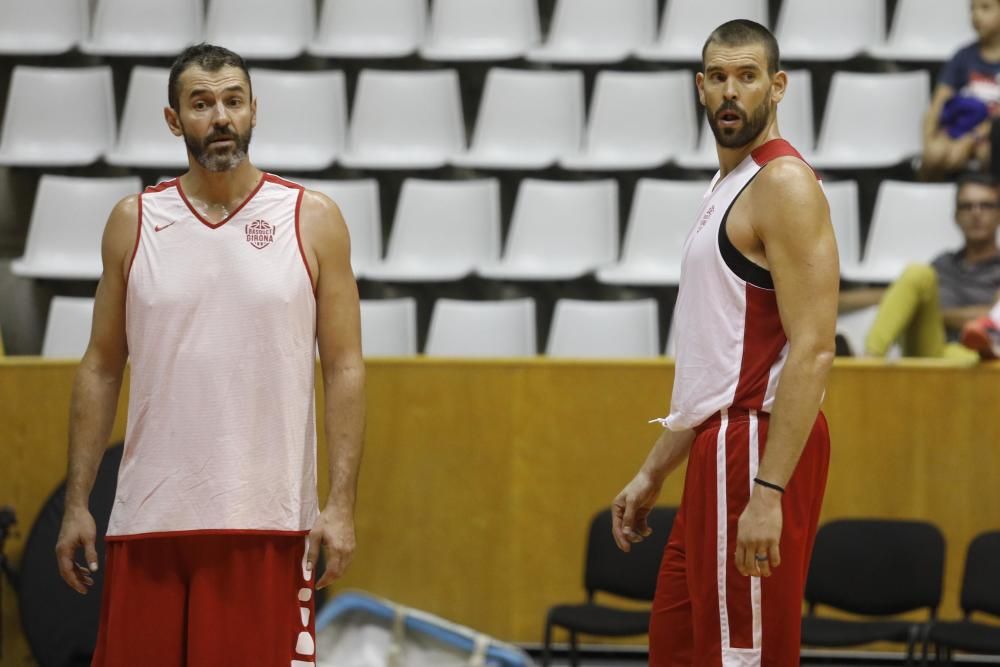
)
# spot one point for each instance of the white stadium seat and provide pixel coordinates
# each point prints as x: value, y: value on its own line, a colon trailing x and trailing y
x: 144, y: 27
x: 687, y: 24
x: 442, y: 231
x: 597, y: 31
x: 369, y: 28
x: 604, y: 329
x: 261, y: 28
x: 662, y: 215
x: 482, y: 329
x: 405, y: 120
x: 559, y: 231
x: 67, y: 329
x: 42, y: 27
x: 389, y: 327
x: 638, y: 120
x: 527, y: 120
x: 67, y: 222
x: 144, y: 140
x: 57, y: 116
x: 474, y: 30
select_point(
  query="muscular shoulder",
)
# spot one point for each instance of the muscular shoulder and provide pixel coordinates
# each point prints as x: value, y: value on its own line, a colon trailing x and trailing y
x: 322, y: 224
x: 122, y: 228
x: 787, y: 187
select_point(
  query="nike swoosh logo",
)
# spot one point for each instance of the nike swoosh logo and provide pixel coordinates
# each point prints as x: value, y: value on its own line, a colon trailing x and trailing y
x: 160, y: 229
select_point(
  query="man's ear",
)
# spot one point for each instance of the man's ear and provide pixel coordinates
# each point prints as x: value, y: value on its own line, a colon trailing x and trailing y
x: 699, y: 81
x: 173, y: 121
x: 253, y: 112
x: 779, y: 84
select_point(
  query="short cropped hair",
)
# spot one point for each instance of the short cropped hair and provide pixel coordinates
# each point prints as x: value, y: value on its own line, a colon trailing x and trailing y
x: 740, y: 32
x: 976, y: 178
x: 209, y: 57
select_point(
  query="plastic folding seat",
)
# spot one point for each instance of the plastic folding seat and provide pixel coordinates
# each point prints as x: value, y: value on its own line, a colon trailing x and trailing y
x: 442, y: 231
x: 369, y: 28
x: 144, y: 140
x: 688, y: 23
x: 358, y: 201
x: 877, y: 569
x: 57, y: 117
x: 527, y: 120
x: 795, y: 120
x: 662, y: 215
x: 559, y: 231
x: 638, y: 120
x: 472, y: 30
x: 597, y: 31
x: 261, y: 28
x: 144, y: 27
x: 482, y: 329
x: 389, y: 327
x: 293, y: 135
x: 67, y: 222
x: 42, y: 27
x: 604, y: 329
x: 67, y: 330
x: 405, y: 120
x: 926, y: 30
x: 810, y: 30
x: 855, y: 137
x: 912, y: 222
x: 843, y: 199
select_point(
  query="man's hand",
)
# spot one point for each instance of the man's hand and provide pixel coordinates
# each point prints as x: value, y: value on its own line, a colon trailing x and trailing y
x: 630, y: 510
x: 758, y: 533
x: 334, y: 530
x: 78, y: 531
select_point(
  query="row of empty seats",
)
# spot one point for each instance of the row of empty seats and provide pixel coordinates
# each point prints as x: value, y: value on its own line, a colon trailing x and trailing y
x: 581, y: 31
x: 527, y: 120
x: 559, y: 230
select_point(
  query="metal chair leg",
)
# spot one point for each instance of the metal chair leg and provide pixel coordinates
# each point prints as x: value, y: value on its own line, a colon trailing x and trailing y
x: 547, y: 645
x: 574, y: 658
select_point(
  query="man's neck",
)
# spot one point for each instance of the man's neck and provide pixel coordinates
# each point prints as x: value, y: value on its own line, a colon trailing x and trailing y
x: 730, y: 158
x: 220, y: 188
x: 989, y: 48
x: 979, y: 252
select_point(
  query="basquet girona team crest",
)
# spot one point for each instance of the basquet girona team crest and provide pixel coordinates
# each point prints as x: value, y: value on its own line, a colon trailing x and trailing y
x: 260, y: 234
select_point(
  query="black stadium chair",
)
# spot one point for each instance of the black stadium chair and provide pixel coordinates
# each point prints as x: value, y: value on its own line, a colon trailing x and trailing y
x: 874, y: 568
x: 609, y: 570
x: 980, y: 593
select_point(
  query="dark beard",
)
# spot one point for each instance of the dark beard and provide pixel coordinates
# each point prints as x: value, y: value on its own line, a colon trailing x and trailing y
x: 750, y: 130
x: 216, y: 160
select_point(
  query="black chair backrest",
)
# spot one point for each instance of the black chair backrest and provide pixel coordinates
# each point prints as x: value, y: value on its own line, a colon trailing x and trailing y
x: 877, y: 567
x: 981, y: 583
x: 629, y: 575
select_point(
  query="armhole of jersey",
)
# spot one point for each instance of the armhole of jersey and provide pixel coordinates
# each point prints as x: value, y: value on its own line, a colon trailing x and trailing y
x: 298, y: 238
x: 135, y: 248
x: 744, y: 269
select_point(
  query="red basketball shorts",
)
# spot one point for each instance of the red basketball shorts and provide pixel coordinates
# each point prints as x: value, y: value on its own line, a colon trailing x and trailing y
x: 206, y: 600
x: 705, y: 612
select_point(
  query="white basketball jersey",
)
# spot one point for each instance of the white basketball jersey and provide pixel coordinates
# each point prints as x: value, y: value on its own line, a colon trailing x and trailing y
x: 221, y: 326
x: 730, y: 344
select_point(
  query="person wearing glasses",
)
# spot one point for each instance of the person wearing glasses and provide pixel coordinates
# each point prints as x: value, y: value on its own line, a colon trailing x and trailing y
x: 927, y: 307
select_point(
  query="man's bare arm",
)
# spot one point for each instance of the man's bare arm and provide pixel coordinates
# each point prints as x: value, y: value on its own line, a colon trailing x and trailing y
x: 95, y: 393
x: 338, y: 331
x: 801, y: 253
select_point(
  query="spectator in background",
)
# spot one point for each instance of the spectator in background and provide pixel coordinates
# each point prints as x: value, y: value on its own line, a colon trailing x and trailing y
x: 983, y: 334
x: 957, y: 126
x: 928, y: 305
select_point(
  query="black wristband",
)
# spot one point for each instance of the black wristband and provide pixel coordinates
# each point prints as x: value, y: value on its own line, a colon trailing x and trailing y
x: 769, y: 485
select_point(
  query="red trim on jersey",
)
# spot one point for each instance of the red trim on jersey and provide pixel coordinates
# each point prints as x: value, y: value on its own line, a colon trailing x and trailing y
x: 763, y: 340
x: 209, y: 531
x: 138, y: 235
x: 774, y: 149
x: 216, y: 225
x: 298, y: 238
x: 160, y: 187
x: 281, y: 181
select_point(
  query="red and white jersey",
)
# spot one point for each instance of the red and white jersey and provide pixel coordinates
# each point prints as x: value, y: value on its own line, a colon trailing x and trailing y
x: 221, y: 326
x: 730, y: 345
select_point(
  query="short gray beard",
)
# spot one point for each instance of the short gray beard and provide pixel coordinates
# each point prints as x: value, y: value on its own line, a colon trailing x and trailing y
x: 218, y: 163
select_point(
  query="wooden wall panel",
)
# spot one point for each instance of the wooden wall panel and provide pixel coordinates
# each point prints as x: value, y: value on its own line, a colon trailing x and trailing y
x: 479, y: 477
